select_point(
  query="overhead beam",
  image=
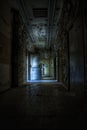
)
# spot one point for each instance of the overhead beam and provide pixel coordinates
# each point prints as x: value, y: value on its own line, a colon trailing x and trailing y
x: 51, y: 12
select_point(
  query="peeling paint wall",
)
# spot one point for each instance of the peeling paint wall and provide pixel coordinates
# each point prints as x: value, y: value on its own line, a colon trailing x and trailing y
x: 22, y: 53
x: 73, y: 66
x: 6, y: 35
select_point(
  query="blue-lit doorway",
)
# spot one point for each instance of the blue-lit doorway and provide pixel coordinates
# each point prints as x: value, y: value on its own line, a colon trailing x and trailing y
x: 34, y: 71
x: 40, y: 70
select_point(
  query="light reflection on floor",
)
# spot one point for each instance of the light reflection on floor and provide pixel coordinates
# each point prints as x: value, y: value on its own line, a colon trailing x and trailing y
x: 42, y: 81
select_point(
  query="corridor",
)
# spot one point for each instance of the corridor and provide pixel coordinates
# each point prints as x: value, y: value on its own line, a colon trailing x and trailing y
x: 41, y: 106
x: 43, y: 64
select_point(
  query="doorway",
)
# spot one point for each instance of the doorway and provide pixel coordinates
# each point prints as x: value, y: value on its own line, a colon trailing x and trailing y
x: 34, y: 67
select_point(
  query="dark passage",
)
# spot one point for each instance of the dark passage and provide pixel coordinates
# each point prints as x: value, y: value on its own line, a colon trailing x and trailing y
x: 43, y: 64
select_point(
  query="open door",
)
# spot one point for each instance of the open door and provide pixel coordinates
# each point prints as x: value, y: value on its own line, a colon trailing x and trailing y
x: 34, y: 67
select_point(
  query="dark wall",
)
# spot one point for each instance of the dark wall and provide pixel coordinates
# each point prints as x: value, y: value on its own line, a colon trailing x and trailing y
x: 5, y: 43
x: 76, y: 55
x: 85, y: 40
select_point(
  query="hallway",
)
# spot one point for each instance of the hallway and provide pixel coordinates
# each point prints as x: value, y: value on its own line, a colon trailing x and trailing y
x: 41, y: 106
x: 43, y: 64
x: 43, y: 40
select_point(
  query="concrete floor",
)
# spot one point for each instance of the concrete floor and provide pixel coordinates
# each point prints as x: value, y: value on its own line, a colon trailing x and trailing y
x: 41, y: 106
